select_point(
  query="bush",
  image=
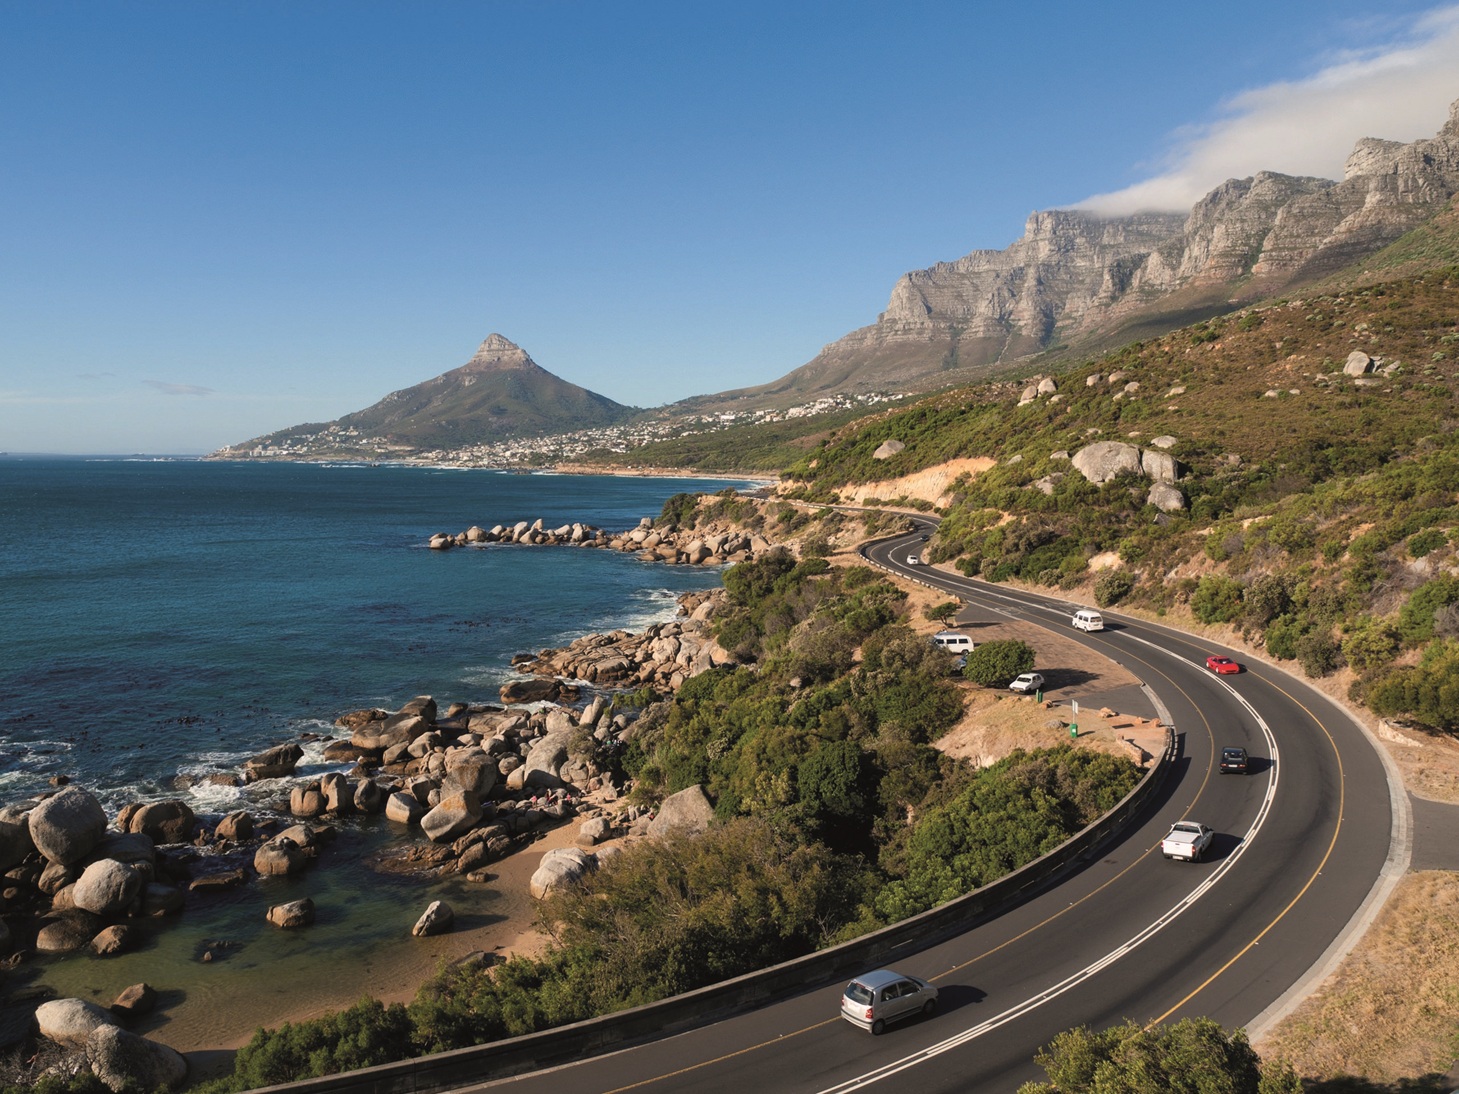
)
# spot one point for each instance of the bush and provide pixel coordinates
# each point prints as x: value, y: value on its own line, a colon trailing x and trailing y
x: 1011, y: 813
x: 1282, y: 637
x: 1370, y: 644
x: 1428, y: 692
x: 1195, y: 1054
x: 366, y: 1034
x: 1318, y: 653
x: 1426, y: 542
x: 1216, y: 599
x: 995, y: 663
x: 1112, y: 586
x: 1416, y: 618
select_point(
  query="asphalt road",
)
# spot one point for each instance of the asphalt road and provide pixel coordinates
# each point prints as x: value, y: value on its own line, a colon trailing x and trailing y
x: 1307, y: 844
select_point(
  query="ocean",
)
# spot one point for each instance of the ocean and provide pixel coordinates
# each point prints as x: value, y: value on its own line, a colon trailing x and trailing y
x: 163, y: 620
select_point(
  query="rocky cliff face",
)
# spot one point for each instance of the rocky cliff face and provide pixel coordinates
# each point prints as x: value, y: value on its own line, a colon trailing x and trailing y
x: 1073, y: 274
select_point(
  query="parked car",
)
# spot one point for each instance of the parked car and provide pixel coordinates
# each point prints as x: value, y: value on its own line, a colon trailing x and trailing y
x: 955, y: 641
x: 1222, y: 666
x: 1027, y: 682
x: 1187, y: 840
x: 876, y: 998
x: 1234, y: 761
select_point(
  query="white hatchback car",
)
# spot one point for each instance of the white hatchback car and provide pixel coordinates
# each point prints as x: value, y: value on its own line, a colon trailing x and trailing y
x: 876, y: 998
x: 1027, y: 682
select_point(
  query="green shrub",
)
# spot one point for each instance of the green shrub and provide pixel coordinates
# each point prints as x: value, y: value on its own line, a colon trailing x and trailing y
x: 1112, y: 586
x: 366, y: 1034
x: 1195, y: 1054
x: 1318, y: 653
x: 1416, y: 617
x: 1370, y: 644
x: 1266, y: 598
x: 1011, y: 813
x: 1282, y: 637
x: 1428, y: 692
x: 1426, y: 542
x: 1217, y: 599
x: 995, y: 663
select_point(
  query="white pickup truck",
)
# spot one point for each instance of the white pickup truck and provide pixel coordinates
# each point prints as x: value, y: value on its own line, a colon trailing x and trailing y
x: 1187, y: 840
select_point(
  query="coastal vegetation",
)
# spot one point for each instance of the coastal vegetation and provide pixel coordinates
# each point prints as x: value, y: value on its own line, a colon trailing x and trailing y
x: 835, y: 815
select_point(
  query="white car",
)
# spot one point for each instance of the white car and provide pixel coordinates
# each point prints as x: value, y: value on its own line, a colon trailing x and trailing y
x: 914, y: 560
x: 1027, y: 682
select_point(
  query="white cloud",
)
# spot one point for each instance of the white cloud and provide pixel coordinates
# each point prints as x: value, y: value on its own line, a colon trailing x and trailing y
x: 1399, y: 89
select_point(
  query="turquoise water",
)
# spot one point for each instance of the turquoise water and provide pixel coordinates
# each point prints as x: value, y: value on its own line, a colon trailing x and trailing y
x: 162, y: 620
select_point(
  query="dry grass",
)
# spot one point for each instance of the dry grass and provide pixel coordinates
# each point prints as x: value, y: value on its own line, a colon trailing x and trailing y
x: 995, y: 723
x: 1389, y: 1012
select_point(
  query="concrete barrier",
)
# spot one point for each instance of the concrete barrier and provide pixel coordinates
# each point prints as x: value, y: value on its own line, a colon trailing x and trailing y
x: 482, y: 1063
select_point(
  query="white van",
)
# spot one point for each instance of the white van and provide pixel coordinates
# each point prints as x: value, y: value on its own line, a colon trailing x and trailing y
x: 1086, y: 619
x: 955, y: 641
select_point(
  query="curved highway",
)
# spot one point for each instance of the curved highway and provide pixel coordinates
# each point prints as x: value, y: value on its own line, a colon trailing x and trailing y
x: 1307, y: 846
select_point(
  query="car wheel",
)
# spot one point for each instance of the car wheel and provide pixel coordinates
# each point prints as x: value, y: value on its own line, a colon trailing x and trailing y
x: 929, y: 1007
x: 877, y: 1027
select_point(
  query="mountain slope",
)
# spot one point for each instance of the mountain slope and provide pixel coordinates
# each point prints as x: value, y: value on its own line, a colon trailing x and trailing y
x: 1076, y: 283
x: 500, y: 393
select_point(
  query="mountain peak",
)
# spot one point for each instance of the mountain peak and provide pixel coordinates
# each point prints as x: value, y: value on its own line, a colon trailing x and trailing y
x: 499, y: 353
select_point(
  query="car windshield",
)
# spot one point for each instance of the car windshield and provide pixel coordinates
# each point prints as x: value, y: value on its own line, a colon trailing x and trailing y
x: 858, y: 993
x: 1185, y: 827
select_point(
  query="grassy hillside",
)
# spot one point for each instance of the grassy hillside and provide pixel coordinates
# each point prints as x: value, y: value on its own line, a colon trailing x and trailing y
x: 1321, y: 513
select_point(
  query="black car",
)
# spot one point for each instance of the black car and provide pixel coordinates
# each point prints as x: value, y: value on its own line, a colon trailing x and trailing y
x: 1233, y: 761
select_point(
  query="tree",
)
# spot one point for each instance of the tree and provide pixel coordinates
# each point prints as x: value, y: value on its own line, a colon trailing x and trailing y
x: 1194, y: 1056
x: 998, y: 662
x: 942, y: 613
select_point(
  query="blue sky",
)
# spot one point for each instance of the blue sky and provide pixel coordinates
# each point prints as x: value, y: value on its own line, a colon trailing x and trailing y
x: 221, y: 219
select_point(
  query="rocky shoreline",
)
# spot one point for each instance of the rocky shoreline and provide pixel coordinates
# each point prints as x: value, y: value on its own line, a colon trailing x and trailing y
x: 465, y: 786
x: 709, y: 546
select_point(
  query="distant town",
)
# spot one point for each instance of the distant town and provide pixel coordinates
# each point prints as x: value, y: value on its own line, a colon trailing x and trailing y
x: 335, y: 442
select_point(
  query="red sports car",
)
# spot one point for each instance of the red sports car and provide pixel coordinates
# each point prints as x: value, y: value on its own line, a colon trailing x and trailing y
x: 1222, y: 665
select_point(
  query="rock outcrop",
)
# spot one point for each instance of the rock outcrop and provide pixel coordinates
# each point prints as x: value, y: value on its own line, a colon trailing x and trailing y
x: 71, y: 1021
x: 706, y: 545
x: 438, y: 918
x: 124, y: 1061
x: 1076, y: 273
x: 559, y: 867
x: 688, y: 812
x: 66, y: 826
